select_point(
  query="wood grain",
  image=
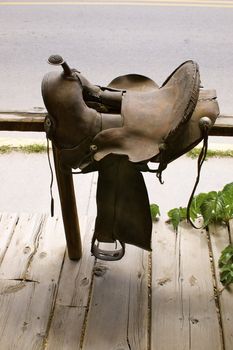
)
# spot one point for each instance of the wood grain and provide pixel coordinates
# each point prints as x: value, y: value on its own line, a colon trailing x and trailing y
x: 7, y: 226
x: 220, y: 239
x: 73, y: 296
x: 36, y: 250
x: 69, y: 208
x: 118, y: 312
x: 184, y: 315
x: 49, y: 254
x: 22, y: 247
x: 22, y: 121
x: 25, y: 310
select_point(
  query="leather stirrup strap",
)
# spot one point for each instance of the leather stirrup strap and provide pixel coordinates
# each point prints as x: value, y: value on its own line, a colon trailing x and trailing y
x: 205, y: 126
x: 51, y: 182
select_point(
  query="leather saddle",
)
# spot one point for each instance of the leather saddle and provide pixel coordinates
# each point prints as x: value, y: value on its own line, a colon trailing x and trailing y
x: 117, y: 130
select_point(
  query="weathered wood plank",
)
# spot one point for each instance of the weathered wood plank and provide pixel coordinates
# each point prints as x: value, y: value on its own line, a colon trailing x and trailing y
x: 76, y: 277
x: 7, y: 226
x: 223, y: 126
x: 48, y: 257
x: 23, y: 246
x: 36, y: 251
x: 25, y: 310
x: 219, y: 237
x: 118, y: 312
x: 22, y: 120
x: 184, y: 315
x: 66, y: 328
x: 73, y: 296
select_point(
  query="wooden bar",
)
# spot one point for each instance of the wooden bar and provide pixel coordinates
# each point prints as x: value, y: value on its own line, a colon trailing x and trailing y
x: 223, y: 126
x: 22, y: 121
x: 69, y: 209
x: 34, y: 121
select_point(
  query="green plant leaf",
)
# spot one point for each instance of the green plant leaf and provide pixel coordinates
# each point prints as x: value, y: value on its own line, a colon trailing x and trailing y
x: 177, y: 215
x: 226, y: 256
x: 227, y: 193
x: 228, y: 188
x: 155, y: 212
x: 226, y: 265
x: 195, y: 209
x: 212, y: 207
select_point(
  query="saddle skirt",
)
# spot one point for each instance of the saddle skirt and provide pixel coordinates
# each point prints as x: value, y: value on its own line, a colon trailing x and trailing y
x: 116, y: 130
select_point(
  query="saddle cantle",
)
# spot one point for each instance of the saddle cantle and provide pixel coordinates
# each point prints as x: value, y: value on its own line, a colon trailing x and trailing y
x: 116, y: 130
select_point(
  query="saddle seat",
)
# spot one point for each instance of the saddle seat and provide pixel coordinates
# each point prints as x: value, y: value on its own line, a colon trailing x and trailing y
x: 149, y: 117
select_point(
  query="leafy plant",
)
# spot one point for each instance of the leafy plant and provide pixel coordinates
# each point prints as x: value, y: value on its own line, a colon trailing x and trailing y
x: 195, y: 209
x: 212, y: 206
x: 155, y: 212
x: 226, y: 265
x: 177, y: 215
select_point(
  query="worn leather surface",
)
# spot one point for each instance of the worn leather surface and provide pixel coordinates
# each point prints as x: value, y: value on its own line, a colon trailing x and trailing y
x: 189, y: 135
x: 74, y: 120
x: 112, y: 129
x: 123, y: 211
x: 133, y: 82
x: 149, y: 117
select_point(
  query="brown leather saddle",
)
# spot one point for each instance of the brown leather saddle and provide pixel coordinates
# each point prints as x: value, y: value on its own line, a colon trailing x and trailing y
x: 117, y: 130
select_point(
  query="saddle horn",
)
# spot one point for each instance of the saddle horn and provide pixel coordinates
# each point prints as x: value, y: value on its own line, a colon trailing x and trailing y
x: 57, y: 60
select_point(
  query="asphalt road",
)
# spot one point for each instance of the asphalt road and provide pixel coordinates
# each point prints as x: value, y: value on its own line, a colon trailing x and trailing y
x: 104, y: 41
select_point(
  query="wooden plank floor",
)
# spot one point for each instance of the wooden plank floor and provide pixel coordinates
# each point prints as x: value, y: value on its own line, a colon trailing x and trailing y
x: 167, y: 300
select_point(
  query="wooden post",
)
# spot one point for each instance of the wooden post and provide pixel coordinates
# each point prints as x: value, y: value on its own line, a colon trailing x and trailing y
x: 69, y: 209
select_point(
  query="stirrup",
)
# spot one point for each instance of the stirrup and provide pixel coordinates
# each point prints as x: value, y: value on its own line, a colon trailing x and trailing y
x: 108, y: 255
